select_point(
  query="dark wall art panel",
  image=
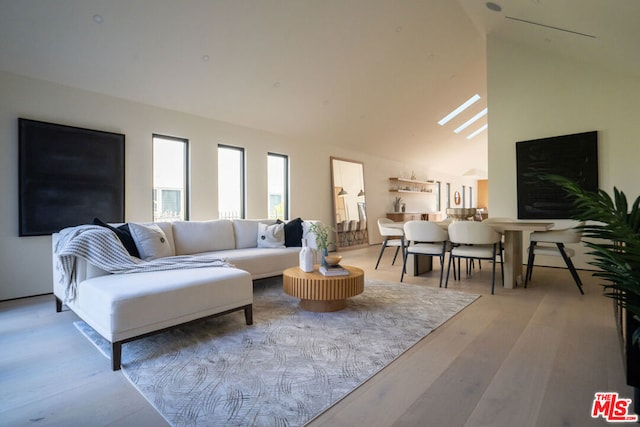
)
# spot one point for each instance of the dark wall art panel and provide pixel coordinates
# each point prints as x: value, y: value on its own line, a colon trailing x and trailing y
x: 573, y: 156
x: 68, y: 176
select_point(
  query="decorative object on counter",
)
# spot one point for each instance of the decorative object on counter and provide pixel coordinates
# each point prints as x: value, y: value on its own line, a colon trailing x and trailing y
x: 306, y: 257
x: 461, y: 214
x: 396, y: 204
x: 413, y: 176
x: 403, y: 207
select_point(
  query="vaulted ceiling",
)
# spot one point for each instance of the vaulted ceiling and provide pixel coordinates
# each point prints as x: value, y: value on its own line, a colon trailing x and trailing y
x: 370, y: 75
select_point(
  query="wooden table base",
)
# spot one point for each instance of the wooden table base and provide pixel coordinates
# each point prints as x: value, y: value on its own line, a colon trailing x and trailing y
x: 322, y: 293
x: 323, y: 306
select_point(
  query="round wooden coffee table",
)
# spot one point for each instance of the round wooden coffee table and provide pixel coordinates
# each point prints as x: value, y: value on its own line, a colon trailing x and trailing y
x: 321, y: 293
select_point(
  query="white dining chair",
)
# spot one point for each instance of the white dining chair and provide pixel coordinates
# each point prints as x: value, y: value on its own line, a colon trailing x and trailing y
x: 552, y: 243
x: 501, y: 247
x: 425, y: 238
x: 473, y: 240
x: 392, y: 237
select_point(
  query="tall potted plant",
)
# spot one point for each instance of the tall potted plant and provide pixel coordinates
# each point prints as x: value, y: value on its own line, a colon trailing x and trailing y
x: 614, y: 227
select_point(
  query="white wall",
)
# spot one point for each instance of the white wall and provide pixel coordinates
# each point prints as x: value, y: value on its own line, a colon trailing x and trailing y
x: 25, y: 262
x: 534, y: 95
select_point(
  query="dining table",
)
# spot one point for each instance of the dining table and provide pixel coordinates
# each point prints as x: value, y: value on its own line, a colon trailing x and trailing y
x: 513, y: 248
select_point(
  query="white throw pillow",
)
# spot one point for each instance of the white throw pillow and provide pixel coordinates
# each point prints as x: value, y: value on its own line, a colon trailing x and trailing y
x: 271, y: 236
x: 150, y: 240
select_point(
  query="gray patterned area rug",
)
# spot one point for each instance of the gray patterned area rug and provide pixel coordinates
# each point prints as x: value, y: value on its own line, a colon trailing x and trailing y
x: 290, y: 365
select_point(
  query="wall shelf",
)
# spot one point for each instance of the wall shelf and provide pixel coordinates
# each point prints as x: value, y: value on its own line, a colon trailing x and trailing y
x: 402, y: 185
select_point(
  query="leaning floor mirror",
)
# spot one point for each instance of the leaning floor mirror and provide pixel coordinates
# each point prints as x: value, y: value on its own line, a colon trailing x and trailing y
x: 349, y: 205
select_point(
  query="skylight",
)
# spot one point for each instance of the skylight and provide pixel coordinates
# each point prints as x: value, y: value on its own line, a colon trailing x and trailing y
x: 460, y: 109
x: 480, y: 129
x: 470, y: 121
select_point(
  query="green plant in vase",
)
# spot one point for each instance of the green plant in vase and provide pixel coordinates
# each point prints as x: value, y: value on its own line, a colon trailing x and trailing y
x: 321, y: 232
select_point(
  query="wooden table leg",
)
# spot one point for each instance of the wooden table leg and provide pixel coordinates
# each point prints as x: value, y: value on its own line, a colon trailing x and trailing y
x: 512, y: 258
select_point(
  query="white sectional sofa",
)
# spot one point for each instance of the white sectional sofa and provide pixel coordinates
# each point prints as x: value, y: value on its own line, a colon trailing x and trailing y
x: 124, y: 307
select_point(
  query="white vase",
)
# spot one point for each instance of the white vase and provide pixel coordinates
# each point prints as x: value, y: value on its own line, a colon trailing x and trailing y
x: 306, y: 257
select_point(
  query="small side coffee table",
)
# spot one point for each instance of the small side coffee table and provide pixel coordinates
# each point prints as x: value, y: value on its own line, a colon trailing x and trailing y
x: 321, y: 293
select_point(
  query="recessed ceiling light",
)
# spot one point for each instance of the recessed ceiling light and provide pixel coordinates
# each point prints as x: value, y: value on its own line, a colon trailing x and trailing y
x: 494, y: 6
x: 98, y: 19
x: 205, y: 58
x: 459, y: 110
x: 470, y: 121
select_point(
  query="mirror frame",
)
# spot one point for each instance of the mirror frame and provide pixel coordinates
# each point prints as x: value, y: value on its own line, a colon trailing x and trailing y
x: 334, y: 201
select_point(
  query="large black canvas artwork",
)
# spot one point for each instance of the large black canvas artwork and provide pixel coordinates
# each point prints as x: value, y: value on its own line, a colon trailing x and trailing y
x: 68, y: 176
x: 573, y: 156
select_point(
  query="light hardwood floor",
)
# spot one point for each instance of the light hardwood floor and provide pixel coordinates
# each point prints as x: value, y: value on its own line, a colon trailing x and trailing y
x: 521, y: 357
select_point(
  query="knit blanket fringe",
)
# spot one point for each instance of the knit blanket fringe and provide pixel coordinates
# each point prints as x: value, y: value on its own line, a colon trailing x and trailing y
x: 101, y: 248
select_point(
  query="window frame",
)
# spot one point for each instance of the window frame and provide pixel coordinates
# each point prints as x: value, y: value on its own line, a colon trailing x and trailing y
x: 243, y: 177
x: 186, y: 186
x: 286, y: 176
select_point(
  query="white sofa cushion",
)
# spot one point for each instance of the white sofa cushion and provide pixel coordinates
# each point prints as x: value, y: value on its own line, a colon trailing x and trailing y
x: 150, y: 241
x: 246, y: 231
x: 193, y: 237
x: 261, y: 262
x: 167, y: 227
x: 270, y: 236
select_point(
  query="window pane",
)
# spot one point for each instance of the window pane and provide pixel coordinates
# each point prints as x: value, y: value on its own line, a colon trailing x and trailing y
x: 169, y: 179
x: 230, y: 182
x: 447, y: 195
x: 278, y: 186
x: 438, y: 201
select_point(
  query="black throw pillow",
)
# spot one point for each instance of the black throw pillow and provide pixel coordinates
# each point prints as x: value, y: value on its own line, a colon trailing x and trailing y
x: 124, y: 234
x: 293, y: 233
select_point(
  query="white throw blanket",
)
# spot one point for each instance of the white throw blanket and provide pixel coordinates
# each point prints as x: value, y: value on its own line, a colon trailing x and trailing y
x: 101, y: 247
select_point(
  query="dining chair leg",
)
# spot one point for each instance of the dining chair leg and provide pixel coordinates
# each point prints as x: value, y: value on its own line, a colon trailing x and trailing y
x: 493, y: 270
x: 404, y: 265
x: 527, y: 274
x: 501, y: 250
x: 451, y: 260
x: 395, y: 256
x: 441, y: 269
x: 384, y: 245
x: 571, y: 267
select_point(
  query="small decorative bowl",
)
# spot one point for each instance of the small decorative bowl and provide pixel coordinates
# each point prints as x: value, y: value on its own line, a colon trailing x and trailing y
x: 333, y: 259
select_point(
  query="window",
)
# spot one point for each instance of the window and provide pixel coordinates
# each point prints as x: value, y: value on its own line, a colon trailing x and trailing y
x: 278, y: 185
x: 464, y: 196
x: 438, y: 201
x: 231, y: 191
x: 170, y: 171
x: 470, y: 196
x: 448, y: 194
